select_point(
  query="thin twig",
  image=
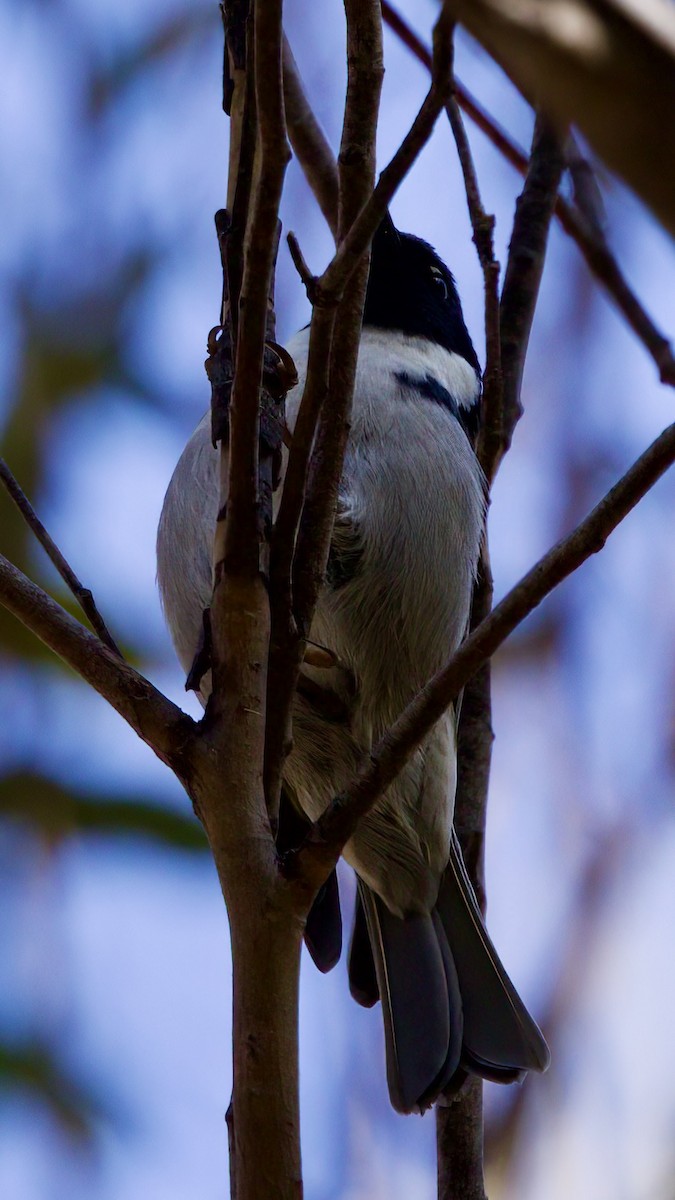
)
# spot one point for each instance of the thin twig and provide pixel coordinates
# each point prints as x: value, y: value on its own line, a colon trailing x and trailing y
x: 160, y: 723
x: 298, y: 562
x: 292, y: 608
x: 482, y: 225
x: 327, y: 289
x: 300, y: 264
x: 303, y: 548
x: 595, y: 249
x: 356, y: 170
x: 328, y: 835
x: 309, y: 142
x: 459, y: 1128
x: 525, y: 264
x: 80, y: 592
x: 524, y: 269
x: 588, y: 198
x: 241, y: 538
x: 320, y: 502
x: 604, y: 266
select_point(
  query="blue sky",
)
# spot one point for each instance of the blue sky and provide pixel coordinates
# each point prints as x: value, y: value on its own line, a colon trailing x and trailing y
x: 122, y: 951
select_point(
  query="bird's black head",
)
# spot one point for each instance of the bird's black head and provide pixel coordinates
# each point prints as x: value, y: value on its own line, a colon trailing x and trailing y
x: 410, y: 289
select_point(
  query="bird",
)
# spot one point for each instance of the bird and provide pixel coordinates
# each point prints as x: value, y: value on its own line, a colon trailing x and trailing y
x: 394, y: 606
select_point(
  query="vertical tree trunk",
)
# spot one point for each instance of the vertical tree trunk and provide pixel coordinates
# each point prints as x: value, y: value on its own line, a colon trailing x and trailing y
x: 266, y: 972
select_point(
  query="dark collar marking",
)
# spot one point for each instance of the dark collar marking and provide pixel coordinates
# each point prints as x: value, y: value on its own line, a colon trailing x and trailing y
x: 432, y: 389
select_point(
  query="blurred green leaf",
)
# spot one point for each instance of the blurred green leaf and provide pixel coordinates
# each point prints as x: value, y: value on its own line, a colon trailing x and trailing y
x: 55, y: 814
x: 69, y: 348
x: 34, y: 1067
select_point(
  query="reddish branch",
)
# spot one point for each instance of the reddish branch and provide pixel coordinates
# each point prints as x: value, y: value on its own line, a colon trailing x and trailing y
x: 593, y: 245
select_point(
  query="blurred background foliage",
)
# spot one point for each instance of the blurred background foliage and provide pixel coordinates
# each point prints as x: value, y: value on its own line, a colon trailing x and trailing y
x: 114, y: 1023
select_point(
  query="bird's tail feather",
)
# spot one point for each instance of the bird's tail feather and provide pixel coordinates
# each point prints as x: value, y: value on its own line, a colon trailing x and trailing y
x: 420, y: 1002
x: 501, y: 1040
x: 448, y: 1005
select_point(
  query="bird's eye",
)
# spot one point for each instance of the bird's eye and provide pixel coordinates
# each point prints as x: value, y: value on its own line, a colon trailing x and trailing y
x: 439, y: 281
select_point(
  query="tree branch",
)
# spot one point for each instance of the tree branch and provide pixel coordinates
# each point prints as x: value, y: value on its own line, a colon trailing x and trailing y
x: 524, y: 269
x: 325, y: 293
x: 82, y: 594
x: 309, y: 142
x: 459, y: 1144
x: 168, y: 731
x: 328, y: 835
x: 242, y: 533
x: 299, y: 551
x: 589, y: 72
x: 482, y: 225
x: 306, y: 513
x: 592, y: 244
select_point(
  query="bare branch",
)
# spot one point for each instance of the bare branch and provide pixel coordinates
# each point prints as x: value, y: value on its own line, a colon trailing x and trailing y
x: 300, y: 264
x: 588, y: 198
x: 309, y: 142
x: 459, y: 1140
x: 298, y: 558
x: 305, y: 519
x: 80, y: 592
x: 524, y: 269
x: 325, y: 292
x: 356, y: 169
x: 492, y: 129
x: 328, y: 835
x: 482, y: 225
x: 360, y: 235
x: 241, y: 523
x: 595, y: 249
x: 168, y: 731
x: 589, y: 71
x: 604, y: 266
